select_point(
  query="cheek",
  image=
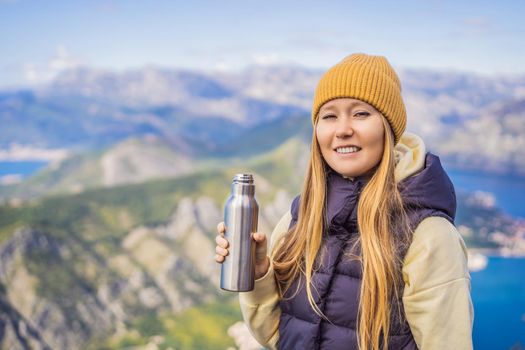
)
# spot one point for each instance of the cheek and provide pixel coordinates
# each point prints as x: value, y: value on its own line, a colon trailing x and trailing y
x: 376, y: 130
x: 377, y: 145
x: 374, y: 134
x: 323, y: 136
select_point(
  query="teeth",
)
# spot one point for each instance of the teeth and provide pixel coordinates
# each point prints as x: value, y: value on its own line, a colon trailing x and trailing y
x: 347, y: 149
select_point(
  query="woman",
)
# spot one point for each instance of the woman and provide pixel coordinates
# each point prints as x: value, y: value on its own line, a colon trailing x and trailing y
x: 369, y: 248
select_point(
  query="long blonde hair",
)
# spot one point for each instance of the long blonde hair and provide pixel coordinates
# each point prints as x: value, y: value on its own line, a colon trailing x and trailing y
x: 380, y: 214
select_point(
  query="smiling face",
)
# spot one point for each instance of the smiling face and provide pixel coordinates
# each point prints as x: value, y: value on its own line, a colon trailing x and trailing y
x: 350, y: 134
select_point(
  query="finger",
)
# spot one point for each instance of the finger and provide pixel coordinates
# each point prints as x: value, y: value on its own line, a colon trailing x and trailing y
x: 219, y: 258
x: 221, y: 241
x: 259, y: 237
x: 260, y: 247
x: 221, y: 228
x: 221, y: 251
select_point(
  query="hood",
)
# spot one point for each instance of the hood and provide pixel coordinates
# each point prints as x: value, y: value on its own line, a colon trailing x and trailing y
x: 423, y: 182
x: 424, y: 185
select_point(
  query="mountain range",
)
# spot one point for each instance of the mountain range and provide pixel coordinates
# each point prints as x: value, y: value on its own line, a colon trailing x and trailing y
x: 206, y: 113
x: 112, y: 246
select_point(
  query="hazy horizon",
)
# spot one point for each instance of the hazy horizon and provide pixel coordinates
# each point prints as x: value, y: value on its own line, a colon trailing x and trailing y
x: 40, y: 40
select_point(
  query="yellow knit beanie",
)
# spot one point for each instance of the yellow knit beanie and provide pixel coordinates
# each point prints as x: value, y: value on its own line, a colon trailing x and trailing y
x: 367, y: 78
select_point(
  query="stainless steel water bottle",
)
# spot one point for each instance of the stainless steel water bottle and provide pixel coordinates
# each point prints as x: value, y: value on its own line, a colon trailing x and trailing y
x: 241, y: 212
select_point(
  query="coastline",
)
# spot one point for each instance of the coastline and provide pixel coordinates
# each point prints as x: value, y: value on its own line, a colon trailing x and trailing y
x: 495, y: 253
x: 478, y: 259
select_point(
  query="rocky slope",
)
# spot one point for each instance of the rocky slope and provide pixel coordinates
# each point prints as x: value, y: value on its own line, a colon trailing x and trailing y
x: 68, y: 284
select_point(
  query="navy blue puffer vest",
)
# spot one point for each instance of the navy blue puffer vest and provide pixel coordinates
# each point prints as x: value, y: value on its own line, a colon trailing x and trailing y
x: 338, y: 280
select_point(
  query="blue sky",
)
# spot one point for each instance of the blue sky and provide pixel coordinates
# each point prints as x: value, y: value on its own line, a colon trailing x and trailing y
x: 41, y: 38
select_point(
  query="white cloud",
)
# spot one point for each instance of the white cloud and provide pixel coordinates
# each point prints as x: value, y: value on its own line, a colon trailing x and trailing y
x: 11, y: 179
x: 18, y: 152
x: 266, y: 58
x: 223, y: 67
x: 38, y: 73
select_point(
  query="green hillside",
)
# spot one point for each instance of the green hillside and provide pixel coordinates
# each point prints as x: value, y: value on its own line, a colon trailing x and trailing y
x: 72, y: 246
x: 91, y: 227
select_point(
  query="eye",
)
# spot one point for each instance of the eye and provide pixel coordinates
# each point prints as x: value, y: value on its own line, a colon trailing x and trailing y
x: 328, y: 116
x: 362, y: 114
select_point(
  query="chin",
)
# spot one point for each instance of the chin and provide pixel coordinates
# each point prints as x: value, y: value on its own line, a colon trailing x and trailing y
x: 351, y: 173
x: 347, y: 173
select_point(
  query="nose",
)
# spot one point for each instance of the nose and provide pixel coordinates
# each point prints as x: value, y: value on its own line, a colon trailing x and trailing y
x: 344, y: 128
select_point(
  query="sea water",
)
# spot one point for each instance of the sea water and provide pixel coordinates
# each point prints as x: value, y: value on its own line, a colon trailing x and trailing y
x: 498, y: 294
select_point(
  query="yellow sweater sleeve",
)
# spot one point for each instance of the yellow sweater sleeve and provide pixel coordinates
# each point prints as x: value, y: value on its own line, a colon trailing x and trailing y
x: 437, y: 300
x: 260, y: 307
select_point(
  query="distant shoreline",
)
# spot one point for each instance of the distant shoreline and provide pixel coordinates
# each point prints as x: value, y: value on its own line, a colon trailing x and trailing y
x: 493, y: 253
x: 508, y: 175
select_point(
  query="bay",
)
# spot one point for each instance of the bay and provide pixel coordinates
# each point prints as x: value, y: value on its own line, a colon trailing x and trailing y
x: 509, y: 191
x: 24, y: 168
x: 498, y: 295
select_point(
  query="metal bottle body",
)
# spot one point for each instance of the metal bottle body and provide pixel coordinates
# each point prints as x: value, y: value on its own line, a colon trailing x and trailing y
x: 240, y: 217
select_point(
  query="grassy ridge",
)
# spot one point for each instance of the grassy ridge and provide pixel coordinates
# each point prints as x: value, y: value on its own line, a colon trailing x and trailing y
x: 150, y: 202
x: 91, y: 226
x: 145, y: 204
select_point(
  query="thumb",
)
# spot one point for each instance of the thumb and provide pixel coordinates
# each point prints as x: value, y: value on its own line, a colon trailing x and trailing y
x: 260, y: 247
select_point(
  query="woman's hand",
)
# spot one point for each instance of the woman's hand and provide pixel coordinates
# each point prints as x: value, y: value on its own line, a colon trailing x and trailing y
x: 262, y: 262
